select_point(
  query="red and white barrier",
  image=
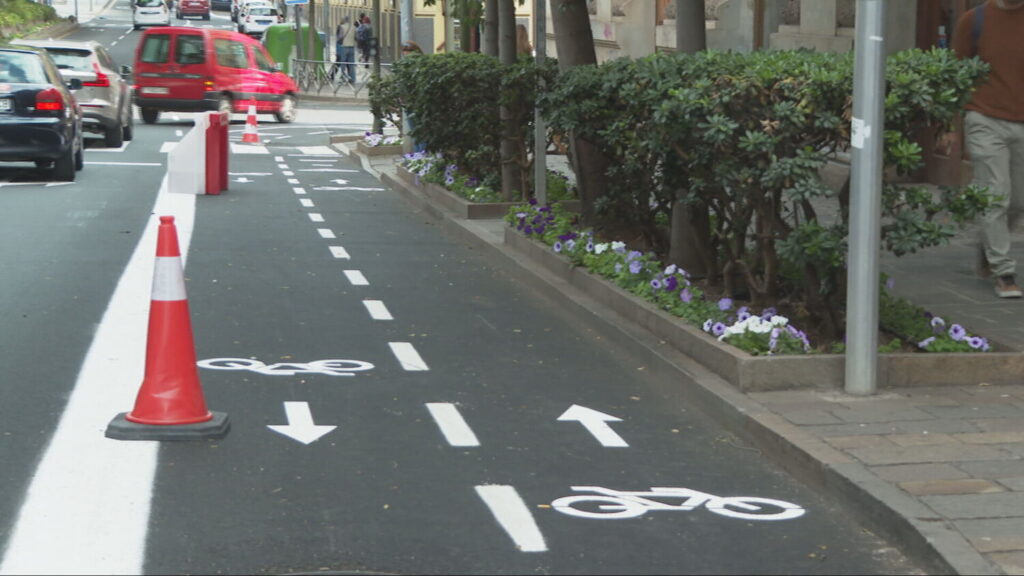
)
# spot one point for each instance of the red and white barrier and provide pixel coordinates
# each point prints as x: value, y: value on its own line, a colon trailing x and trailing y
x: 198, y: 163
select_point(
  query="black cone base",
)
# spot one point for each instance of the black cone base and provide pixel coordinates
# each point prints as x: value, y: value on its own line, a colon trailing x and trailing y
x: 120, y: 428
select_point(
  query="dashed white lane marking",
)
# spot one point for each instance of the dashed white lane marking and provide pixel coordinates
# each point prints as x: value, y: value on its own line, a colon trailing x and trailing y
x: 408, y: 357
x: 287, y: 172
x: 293, y: 181
x: 318, y: 151
x: 316, y: 217
x: 306, y: 202
x: 325, y: 233
x: 299, y: 190
x: 87, y: 508
x: 340, y: 252
x: 248, y: 149
x: 356, y: 278
x: 513, y: 515
x: 282, y: 166
x: 377, y: 310
x: 452, y: 425
x: 278, y: 158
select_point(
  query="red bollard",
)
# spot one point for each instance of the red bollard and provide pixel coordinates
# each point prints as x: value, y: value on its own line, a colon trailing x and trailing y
x: 217, y: 153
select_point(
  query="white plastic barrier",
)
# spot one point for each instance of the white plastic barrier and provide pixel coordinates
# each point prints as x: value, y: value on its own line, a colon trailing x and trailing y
x: 186, y: 162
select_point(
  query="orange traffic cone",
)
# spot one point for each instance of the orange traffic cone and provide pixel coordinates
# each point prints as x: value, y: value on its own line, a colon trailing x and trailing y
x: 170, y: 404
x: 250, y: 135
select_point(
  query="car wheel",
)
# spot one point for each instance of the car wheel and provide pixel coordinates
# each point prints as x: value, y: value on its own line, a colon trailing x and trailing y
x: 128, y: 130
x: 64, y: 167
x: 206, y: 16
x: 150, y: 115
x: 286, y: 112
x: 113, y: 136
x: 224, y: 104
x: 136, y: 26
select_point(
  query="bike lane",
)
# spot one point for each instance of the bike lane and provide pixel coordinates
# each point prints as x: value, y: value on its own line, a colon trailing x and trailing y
x: 484, y: 406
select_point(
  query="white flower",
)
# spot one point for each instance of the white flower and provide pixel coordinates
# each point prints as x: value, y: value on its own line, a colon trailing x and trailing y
x: 618, y: 245
x: 778, y: 321
x: 600, y: 248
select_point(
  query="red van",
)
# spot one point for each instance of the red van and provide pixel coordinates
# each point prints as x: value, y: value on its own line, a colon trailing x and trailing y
x: 183, y: 69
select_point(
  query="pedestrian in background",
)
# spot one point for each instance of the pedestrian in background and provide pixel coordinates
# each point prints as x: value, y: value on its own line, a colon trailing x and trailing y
x: 994, y: 129
x: 523, y: 45
x: 345, y: 49
x: 364, y: 39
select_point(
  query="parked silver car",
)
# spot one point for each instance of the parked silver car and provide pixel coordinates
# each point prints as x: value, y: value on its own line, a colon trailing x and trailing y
x: 105, y: 96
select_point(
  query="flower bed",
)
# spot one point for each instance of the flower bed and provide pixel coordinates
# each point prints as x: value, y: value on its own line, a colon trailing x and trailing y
x: 753, y: 352
x: 373, y: 144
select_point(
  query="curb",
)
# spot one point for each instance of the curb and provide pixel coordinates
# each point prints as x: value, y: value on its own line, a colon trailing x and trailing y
x: 921, y: 534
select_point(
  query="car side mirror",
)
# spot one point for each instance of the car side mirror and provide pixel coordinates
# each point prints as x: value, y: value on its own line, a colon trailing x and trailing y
x: 278, y: 67
x: 75, y: 83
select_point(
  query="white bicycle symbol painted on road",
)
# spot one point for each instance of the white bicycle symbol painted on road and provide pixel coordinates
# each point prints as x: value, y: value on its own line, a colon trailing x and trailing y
x: 328, y: 367
x: 609, y: 503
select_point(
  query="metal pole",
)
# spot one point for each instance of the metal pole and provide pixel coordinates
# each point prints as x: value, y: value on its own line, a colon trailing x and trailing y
x: 406, y: 23
x: 867, y: 132
x: 540, y: 136
x: 378, y: 122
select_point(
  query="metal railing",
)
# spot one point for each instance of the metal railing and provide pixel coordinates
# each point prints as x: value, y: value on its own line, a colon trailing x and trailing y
x: 316, y: 76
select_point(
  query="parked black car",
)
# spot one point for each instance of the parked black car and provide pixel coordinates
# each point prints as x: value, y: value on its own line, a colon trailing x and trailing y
x: 40, y: 120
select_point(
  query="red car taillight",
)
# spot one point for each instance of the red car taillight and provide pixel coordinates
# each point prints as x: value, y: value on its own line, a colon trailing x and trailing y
x: 49, y: 99
x: 102, y: 80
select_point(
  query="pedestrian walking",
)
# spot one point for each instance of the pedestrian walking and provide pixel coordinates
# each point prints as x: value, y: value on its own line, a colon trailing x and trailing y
x: 345, y: 49
x: 364, y: 39
x: 994, y: 129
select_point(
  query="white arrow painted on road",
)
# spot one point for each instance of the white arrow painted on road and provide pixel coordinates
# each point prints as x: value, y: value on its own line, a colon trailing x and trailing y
x: 300, y: 424
x: 596, y: 423
x: 340, y: 181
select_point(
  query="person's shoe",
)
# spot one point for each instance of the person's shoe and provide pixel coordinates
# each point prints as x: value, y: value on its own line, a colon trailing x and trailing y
x: 981, y: 266
x: 1006, y: 287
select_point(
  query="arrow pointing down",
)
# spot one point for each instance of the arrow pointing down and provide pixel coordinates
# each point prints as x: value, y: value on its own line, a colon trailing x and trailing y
x: 300, y: 424
x: 596, y: 423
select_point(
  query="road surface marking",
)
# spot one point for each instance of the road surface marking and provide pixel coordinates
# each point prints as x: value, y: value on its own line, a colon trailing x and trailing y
x: 452, y: 425
x: 315, y: 217
x: 87, y: 508
x: 356, y: 278
x: 512, y: 514
x: 299, y: 190
x: 306, y: 202
x: 408, y: 357
x: 377, y: 310
x: 325, y: 233
x: 293, y: 181
x: 339, y: 252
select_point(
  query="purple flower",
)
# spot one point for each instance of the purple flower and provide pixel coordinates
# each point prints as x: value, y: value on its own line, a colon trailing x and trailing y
x: 558, y: 246
x: 938, y: 323
x: 570, y: 245
x: 655, y: 284
x: 532, y: 201
x: 685, y: 295
x: 590, y: 246
x: 768, y: 312
x: 924, y: 343
x: 671, y: 283
x: 633, y: 255
x: 725, y: 304
x: 707, y: 325
x: 618, y: 268
x: 978, y: 343
x: 528, y: 230
x: 957, y: 332
x: 890, y: 283
x: 635, y: 266
x: 718, y: 329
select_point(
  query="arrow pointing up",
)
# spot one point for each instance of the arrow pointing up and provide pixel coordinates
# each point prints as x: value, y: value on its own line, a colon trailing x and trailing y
x: 300, y: 425
x: 596, y: 423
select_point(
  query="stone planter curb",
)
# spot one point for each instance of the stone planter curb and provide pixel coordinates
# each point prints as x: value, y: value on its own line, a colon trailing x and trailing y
x: 763, y: 373
x: 390, y: 150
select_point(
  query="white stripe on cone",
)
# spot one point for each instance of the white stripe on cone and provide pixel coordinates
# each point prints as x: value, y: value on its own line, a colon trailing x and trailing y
x: 168, y: 279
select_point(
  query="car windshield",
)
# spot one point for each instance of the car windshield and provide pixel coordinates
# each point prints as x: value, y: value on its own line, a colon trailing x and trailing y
x: 21, y: 68
x: 149, y: 3
x: 71, y: 58
x: 263, y: 11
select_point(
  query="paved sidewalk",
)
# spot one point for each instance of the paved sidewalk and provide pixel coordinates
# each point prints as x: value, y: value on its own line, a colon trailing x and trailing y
x: 939, y: 469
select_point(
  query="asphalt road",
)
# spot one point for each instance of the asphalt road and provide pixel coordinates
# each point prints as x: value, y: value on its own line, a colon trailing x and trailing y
x: 398, y: 404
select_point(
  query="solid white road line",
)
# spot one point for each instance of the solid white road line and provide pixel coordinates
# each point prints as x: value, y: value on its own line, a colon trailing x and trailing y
x: 452, y: 425
x: 87, y: 508
x: 408, y: 357
x: 356, y: 278
x: 325, y: 233
x: 377, y: 310
x: 512, y: 514
x: 316, y: 217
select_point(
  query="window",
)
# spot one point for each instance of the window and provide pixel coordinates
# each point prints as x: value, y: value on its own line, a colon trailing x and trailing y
x: 156, y: 49
x: 230, y: 53
x: 262, y: 62
x: 73, y: 59
x: 190, y: 49
x: 22, y: 68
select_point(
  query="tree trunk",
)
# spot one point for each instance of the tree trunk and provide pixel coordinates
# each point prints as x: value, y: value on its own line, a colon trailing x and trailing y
x: 574, y: 42
x: 511, y: 173
x: 491, y: 27
x: 685, y: 246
